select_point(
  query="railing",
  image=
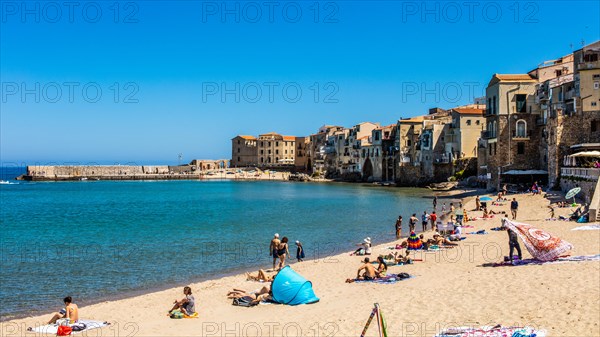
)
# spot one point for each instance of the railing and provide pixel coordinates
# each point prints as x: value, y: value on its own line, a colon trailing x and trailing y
x: 521, y: 135
x: 588, y: 65
x: 580, y: 172
x: 488, y: 134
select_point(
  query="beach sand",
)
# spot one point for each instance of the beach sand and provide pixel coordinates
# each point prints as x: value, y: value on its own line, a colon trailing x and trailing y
x: 448, y: 288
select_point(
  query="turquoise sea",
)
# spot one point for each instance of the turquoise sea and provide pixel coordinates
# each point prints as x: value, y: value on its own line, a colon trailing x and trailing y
x: 97, y: 240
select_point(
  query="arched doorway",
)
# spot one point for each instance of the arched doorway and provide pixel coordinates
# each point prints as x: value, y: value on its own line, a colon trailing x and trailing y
x: 367, y: 170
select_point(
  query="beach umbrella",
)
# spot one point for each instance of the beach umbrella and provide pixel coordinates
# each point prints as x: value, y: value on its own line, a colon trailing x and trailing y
x: 572, y: 193
x: 486, y: 198
x: 414, y: 243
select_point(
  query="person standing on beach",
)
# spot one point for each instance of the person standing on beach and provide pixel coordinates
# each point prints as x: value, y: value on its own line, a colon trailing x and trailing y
x: 514, y: 206
x: 443, y: 208
x: 513, y: 242
x: 435, y: 202
x: 399, y: 227
x: 452, y: 212
x: 283, y: 252
x: 433, y: 218
x: 424, y: 220
x: 477, y: 203
x: 299, y: 251
x: 412, y: 222
x: 273, y: 249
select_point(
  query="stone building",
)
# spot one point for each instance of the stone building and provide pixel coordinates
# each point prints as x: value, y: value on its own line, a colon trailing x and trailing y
x: 511, y: 140
x: 317, y: 148
x: 276, y: 150
x: 244, y: 151
x: 301, y: 158
x: 467, y: 124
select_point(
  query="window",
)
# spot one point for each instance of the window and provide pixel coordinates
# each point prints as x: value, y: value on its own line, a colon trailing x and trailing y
x: 408, y: 143
x: 521, y: 102
x: 477, y: 122
x: 594, y: 103
x: 269, y: 151
x: 262, y: 151
x: 468, y: 122
x: 596, y: 85
x: 596, y: 77
x: 490, y: 149
x: 238, y: 150
x: 277, y: 159
x: 261, y: 144
x: 239, y: 159
x: 521, y: 129
x: 520, y: 148
x: 276, y: 143
x: 594, y: 126
x: 494, y: 112
x: 238, y: 141
x: 262, y: 160
x: 276, y: 151
x: 376, y: 135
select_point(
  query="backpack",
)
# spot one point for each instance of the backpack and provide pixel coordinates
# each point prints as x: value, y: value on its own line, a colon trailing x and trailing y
x: 245, y: 301
x: 403, y: 276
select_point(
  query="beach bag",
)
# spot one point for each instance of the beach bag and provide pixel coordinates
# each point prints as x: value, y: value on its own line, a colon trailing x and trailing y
x: 78, y: 326
x: 245, y: 301
x: 64, y: 330
x: 403, y: 276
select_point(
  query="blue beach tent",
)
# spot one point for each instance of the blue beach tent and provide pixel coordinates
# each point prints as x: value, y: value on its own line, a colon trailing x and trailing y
x: 290, y: 288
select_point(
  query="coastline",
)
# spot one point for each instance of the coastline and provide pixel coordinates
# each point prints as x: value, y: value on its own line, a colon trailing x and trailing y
x: 524, y: 295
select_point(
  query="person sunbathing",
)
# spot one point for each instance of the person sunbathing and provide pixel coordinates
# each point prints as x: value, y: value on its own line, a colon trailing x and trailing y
x: 70, y: 312
x: 403, y: 259
x: 442, y: 241
x: 369, y: 272
x: 187, y: 305
x: 261, y: 277
x: 381, y: 268
x: 264, y: 294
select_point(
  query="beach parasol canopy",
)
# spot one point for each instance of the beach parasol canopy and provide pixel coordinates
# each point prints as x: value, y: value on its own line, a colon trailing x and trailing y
x: 486, y: 198
x: 572, y: 193
x: 414, y: 243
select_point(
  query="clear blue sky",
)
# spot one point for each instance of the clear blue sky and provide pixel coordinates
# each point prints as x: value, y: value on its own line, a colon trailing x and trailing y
x: 373, y: 61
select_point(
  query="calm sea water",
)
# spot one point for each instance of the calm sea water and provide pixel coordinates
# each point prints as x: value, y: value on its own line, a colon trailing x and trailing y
x: 98, y: 240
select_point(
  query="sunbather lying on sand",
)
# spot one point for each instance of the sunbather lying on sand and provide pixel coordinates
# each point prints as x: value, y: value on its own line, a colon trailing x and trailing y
x: 441, y: 241
x: 261, y: 277
x: 263, y: 294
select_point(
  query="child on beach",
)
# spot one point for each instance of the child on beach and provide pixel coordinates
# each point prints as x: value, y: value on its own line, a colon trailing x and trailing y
x: 299, y: 251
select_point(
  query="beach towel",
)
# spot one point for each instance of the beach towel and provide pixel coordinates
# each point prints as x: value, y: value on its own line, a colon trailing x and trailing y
x: 497, y: 331
x: 390, y: 279
x: 541, y: 245
x: 53, y: 328
x: 524, y: 262
x: 481, y: 232
x: 586, y: 228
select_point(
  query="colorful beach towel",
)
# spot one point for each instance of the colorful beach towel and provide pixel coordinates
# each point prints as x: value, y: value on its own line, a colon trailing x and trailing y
x: 524, y: 262
x: 390, y: 279
x: 414, y: 243
x: 586, y: 228
x: 497, y: 331
x: 52, y: 329
x: 541, y: 245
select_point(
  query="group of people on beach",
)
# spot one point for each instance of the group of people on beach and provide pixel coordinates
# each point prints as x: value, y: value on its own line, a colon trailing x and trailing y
x: 279, y: 249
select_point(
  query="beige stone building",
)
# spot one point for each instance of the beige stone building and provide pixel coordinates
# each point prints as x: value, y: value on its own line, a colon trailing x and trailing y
x: 244, y: 151
x: 301, y: 156
x: 276, y: 150
x: 467, y: 124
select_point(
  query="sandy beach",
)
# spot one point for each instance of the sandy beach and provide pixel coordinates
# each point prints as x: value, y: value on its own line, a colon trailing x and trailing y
x: 449, y: 287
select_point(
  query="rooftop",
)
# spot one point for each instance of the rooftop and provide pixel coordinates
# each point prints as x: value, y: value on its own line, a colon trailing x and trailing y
x: 511, y: 78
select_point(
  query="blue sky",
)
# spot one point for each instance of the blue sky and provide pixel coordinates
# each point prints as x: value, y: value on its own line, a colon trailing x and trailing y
x: 168, y: 71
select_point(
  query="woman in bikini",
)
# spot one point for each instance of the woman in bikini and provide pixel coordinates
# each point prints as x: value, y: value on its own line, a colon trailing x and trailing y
x: 382, y: 267
x: 283, y: 251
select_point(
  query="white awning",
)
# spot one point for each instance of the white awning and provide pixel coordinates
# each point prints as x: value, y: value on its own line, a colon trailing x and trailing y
x: 586, y: 154
x: 524, y: 172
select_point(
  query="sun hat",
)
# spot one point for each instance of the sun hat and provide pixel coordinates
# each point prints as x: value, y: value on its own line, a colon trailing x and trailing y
x: 297, y: 242
x: 276, y: 235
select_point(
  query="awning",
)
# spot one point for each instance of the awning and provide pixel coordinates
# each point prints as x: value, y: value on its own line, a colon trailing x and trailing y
x: 525, y: 172
x: 586, y: 154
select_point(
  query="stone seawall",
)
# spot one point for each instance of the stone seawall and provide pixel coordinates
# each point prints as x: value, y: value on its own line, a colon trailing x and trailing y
x: 111, y: 172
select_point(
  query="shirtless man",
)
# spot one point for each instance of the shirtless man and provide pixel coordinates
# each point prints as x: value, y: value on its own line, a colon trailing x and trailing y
x: 370, y: 272
x: 273, y: 249
x: 71, y: 311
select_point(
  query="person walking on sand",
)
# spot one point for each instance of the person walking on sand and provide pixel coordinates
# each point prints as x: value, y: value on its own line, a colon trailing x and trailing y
x: 424, y: 220
x: 273, y: 249
x: 283, y: 252
x: 399, y: 227
x: 433, y: 219
x: 299, y: 251
x: 412, y: 222
x: 514, y: 207
x: 70, y: 312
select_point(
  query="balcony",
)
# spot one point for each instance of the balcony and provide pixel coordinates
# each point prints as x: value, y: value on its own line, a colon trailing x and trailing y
x: 580, y: 172
x: 588, y: 65
x: 488, y: 134
x: 521, y: 135
x: 541, y: 121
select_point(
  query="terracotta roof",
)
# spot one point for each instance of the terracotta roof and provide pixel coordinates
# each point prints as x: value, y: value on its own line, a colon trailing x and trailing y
x: 511, y: 78
x: 469, y: 111
x: 246, y: 137
x: 289, y: 137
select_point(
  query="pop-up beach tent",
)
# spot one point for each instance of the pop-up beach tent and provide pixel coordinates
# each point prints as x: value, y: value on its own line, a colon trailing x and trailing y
x: 290, y: 288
